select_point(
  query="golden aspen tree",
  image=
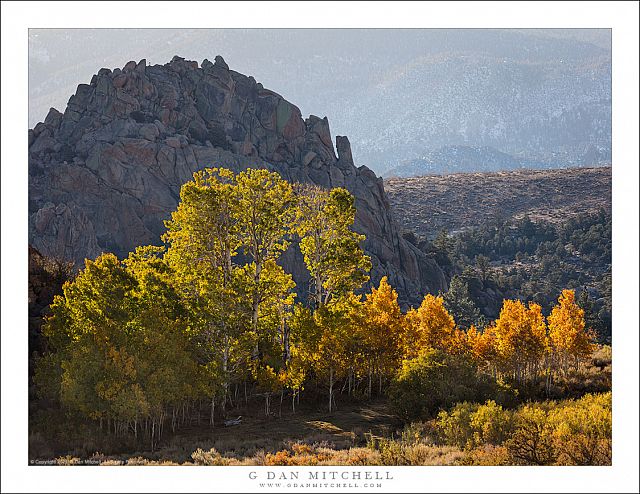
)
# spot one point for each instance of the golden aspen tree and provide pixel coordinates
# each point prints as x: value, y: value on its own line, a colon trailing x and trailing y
x: 521, y: 339
x: 305, y: 336
x: 381, y: 327
x: 430, y: 326
x: 121, y: 343
x: 270, y: 365
x: 483, y: 346
x: 459, y: 343
x: 264, y: 217
x: 204, y: 237
x: 570, y: 340
x: 330, y: 355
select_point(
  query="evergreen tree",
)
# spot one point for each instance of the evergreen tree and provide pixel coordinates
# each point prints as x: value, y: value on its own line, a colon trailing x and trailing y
x: 459, y: 304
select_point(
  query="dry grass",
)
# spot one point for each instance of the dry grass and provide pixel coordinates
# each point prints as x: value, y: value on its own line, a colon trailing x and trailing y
x: 300, y: 454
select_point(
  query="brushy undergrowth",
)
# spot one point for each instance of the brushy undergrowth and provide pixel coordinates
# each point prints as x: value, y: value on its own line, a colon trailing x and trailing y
x: 568, y: 432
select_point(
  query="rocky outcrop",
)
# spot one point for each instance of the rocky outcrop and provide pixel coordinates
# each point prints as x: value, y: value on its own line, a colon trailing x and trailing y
x: 106, y: 173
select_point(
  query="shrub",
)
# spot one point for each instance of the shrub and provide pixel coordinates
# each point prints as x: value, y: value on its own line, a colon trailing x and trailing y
x: 491, y: 424
x: 361, y: 456
x: 454, y: 427
x: 435, y: 381
x: 582, y: 431
x: 299, y: 454
x: 395, y: 452
x: 532, y: 441
x: 487, y: 455
x: 548, y: 433
x: 210, y: 458
x: 470, y: 425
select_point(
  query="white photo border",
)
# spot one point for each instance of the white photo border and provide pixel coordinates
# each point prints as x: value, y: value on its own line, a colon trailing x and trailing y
x: 18, y: 17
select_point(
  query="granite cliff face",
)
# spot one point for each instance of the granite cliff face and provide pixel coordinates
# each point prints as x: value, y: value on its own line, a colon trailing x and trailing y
x: 104, y: 174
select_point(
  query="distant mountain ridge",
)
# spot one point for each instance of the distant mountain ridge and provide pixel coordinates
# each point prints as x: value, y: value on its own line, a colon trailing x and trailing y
x: 537, y: 94
x: 461, y: 159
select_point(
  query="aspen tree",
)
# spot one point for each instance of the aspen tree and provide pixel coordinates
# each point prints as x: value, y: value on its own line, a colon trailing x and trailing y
x: 570, y: 339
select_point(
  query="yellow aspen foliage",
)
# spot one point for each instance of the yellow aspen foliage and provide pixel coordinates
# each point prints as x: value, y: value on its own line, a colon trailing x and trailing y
x: 383, y: 322
x: 459, y: 343
x: 568, y: 335
x: 482, y: 344
x: 521, y: 338
x: 430, y: 326
x: 379, y: 328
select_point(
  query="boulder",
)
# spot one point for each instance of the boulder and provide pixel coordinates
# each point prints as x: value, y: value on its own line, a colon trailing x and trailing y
x: 149, y: 132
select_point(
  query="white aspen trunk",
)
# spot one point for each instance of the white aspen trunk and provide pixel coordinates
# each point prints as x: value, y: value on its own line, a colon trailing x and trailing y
x: 318, y: 277
x: 225, y: 365
x: 344, y: 386
x: 330, y: 388
x: 370, y: 376
x: 318, y: 291
x: 293, y: 402
x: 255, y: 304
x: 231, y: 400
x: 153, y: 431
x: 285, y: 342
x: 213, y: 412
